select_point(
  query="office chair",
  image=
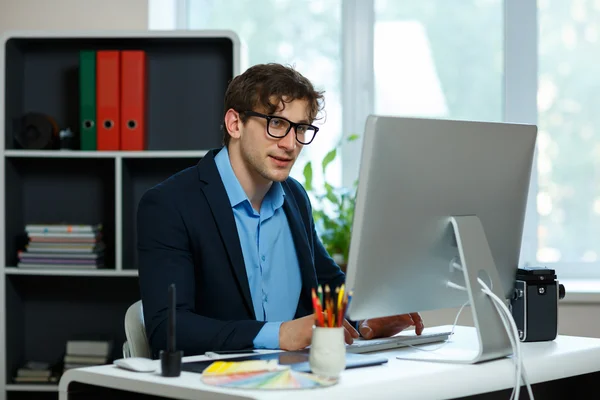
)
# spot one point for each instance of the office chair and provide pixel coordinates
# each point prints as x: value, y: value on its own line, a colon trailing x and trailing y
x: 137, y: 342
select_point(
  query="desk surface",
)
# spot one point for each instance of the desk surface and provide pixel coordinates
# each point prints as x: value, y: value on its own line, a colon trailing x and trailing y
x: 544, y: 361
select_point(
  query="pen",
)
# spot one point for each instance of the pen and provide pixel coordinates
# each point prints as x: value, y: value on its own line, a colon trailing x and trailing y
x: 171, y: 319
x: 328, y: 304
x: 315, y: 307
x: 217, y: 354
x: 341, y: 297
x: 341, y: 306
x: 320, y: 291
x: 336, y: 300
x: 318, y: 310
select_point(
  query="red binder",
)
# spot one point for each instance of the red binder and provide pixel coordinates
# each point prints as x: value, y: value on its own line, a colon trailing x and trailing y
x: 133, y: 100
x: 108, y: 99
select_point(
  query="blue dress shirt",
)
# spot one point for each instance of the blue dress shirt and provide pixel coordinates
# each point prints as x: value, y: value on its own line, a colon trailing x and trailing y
x: 269, y: 254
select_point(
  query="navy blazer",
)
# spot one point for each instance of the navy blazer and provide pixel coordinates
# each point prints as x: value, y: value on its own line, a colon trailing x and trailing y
x: 187, y: 236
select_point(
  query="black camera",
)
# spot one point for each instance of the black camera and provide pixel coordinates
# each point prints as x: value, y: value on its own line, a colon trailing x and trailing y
x: 534, y: 304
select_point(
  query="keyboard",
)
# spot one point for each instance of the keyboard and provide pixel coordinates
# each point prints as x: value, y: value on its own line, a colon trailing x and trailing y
x: 364, y: 346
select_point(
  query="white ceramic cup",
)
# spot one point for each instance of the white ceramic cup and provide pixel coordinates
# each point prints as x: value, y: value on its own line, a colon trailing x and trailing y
x: 327, y: 351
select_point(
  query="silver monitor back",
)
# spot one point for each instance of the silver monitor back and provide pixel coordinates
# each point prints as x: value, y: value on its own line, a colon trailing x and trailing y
x: 414, y: 175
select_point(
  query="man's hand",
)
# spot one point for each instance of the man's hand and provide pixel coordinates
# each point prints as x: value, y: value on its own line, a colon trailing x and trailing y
x: 297, y: 334
x: 389, y: 326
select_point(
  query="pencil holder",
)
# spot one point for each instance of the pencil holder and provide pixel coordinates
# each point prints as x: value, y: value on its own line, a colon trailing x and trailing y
x: 327, y: 351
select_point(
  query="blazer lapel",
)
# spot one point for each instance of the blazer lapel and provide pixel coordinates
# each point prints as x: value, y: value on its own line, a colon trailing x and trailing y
x: 217, y: 199
x: 304, y: 253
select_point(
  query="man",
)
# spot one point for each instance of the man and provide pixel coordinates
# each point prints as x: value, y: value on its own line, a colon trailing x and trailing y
x: 236, y: 235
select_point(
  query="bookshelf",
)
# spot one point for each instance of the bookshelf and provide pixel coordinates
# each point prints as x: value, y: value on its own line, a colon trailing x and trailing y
x: 40, y: 309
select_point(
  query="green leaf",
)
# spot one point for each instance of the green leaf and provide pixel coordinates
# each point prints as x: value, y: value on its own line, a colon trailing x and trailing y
x: 352, y: 137
x: 330, y: 195
x: 328, y: 159
x: 308, y: 175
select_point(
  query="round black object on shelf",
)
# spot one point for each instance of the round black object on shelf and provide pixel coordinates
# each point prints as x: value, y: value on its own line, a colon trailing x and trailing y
x: 36, y: 131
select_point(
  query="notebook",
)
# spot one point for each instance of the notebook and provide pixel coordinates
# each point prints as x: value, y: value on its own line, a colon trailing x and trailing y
x: 297, y: 360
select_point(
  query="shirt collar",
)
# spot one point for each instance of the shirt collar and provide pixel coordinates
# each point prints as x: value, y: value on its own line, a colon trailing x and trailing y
x: 233, y: 187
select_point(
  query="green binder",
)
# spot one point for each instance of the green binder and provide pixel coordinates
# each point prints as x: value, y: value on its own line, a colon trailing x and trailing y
x: 87, y: 99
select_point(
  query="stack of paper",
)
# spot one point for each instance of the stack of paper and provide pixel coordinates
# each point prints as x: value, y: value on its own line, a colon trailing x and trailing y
x: 86, y: 353
x: 63, y: 246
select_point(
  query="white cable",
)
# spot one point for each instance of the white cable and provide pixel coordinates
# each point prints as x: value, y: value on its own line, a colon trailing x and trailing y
x: 511, y: 330
x: 517, y: 357
x: 445, y: 342
x: 516, y: 351
x: 455, y: 286
x: 513, y: 334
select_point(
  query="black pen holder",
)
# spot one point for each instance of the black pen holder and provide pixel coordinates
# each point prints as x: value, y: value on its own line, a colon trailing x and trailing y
x: 170, y: 363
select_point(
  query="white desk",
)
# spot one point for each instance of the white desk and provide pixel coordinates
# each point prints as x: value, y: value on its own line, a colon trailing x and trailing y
x: 565, y: 357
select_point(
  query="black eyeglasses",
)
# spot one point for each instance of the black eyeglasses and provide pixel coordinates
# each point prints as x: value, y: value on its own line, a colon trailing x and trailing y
x: 279, y: 127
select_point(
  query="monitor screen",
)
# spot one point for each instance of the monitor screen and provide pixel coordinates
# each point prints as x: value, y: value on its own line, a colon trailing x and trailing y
x: 415, y: 175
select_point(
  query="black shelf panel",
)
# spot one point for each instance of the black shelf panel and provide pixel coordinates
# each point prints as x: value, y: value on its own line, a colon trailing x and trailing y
x: 37, y: 395
x: 54, y: 190
x: 186, y: 82
x: 43, y: 313
x: 139, y: 175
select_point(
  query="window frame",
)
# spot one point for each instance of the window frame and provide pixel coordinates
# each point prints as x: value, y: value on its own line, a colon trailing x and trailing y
x: 520, y: 97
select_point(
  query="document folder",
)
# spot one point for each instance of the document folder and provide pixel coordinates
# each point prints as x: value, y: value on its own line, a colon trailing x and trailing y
x: 87, y: 100
x: 108, y: 95
x: 133, y: 100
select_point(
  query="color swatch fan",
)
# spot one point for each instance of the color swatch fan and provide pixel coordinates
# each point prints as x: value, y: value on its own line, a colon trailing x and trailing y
x: 256, y: 374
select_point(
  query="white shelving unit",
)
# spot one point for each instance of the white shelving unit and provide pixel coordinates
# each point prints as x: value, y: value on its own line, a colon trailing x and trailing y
x: 40, y: 309
x: 104, y: 154
x: 63, y: 272
x: 32, y: 388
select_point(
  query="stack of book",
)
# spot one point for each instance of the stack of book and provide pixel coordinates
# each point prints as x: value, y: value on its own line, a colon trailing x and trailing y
x: 35, y: 372
x: 86, y: 353
x: 63, y: 246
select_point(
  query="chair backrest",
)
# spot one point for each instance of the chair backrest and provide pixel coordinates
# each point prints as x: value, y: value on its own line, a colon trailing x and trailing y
x: 135, y: 331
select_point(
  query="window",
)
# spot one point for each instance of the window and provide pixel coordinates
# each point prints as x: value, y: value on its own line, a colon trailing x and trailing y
x: 439, y: 58
x: 568, y: 167
x: 302, y: 33
x: 528, y: 61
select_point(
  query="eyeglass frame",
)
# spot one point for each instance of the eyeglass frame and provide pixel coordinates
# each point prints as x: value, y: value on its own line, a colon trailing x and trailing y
x: 292, y: 125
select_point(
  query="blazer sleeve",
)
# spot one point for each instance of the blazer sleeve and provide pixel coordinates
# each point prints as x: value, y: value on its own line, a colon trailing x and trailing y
x: 165, y: 257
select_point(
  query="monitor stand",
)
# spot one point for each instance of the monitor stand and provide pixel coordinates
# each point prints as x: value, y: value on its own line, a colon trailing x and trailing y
x: 477, y: 262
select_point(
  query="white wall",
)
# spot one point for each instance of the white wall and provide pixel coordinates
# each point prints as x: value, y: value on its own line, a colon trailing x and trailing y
x: 73, y: 15
x: 577, y: 319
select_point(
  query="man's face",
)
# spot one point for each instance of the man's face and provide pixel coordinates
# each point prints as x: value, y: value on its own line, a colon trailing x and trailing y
x: 268, y: 157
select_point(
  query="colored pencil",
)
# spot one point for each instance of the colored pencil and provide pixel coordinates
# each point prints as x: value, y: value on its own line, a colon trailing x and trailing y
x: 327, y: 304
x: 320, y: 292
x: 331, y: 311
x: 315, y: 306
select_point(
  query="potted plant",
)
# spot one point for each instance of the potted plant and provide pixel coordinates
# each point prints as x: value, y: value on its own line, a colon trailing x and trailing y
x: 333, y: 208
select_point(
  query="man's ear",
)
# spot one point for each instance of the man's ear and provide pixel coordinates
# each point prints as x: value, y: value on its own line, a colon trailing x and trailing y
x: 233, y: 123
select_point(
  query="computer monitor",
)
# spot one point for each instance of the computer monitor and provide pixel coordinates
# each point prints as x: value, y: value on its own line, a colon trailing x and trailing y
x: 439, y: 201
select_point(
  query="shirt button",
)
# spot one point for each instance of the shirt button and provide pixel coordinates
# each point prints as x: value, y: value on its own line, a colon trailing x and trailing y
x: 265, y: 297
x: 263, y: 258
